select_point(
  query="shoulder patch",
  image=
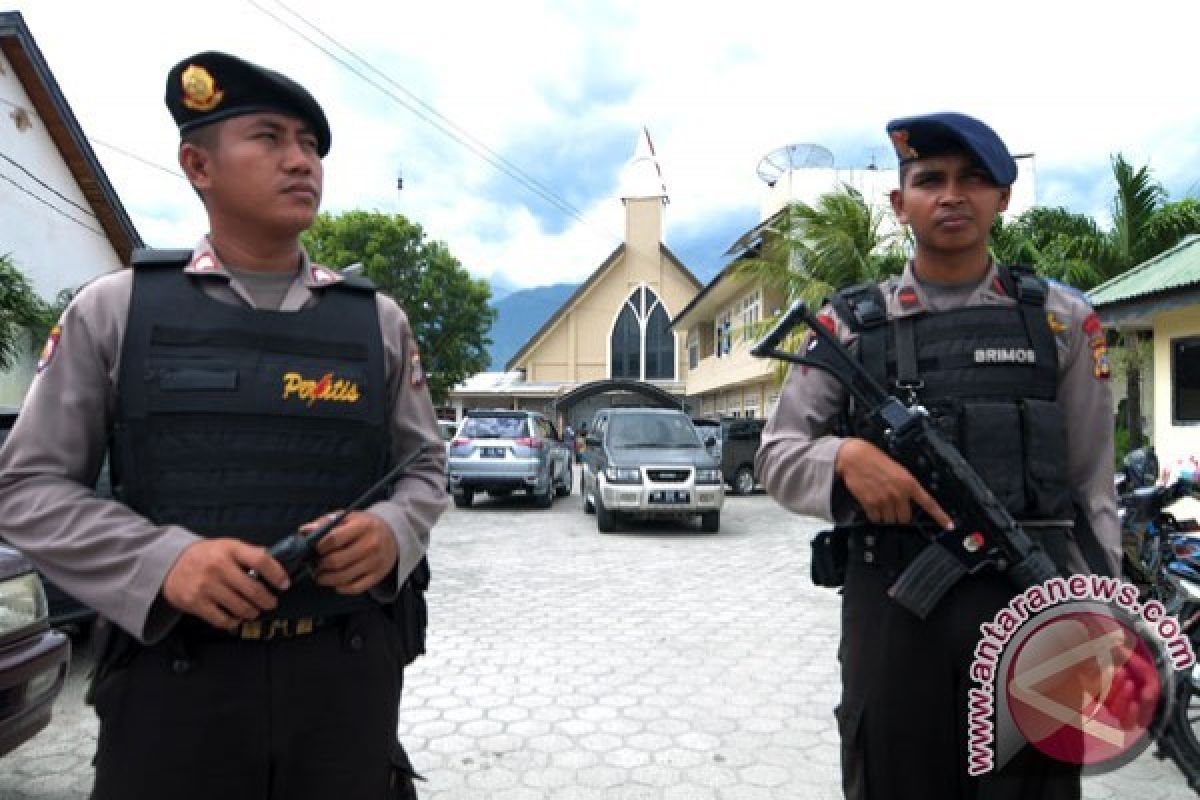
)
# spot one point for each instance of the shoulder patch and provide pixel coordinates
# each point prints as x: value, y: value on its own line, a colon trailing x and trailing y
x: 416, y: 372
x: 50, y: 348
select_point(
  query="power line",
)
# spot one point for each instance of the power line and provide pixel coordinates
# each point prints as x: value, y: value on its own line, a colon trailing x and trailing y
x: 48, y: 187
x: 140, y: 159
x: 435, y: 118
x: 53, y: 207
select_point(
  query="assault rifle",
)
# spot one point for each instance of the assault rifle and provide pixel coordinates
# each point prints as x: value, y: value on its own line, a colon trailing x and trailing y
x: 985, y: 534
x: 297, y: 551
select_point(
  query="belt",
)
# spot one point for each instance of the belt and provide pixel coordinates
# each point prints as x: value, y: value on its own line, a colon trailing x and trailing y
x: 892, y: 547
x: 257, y: 630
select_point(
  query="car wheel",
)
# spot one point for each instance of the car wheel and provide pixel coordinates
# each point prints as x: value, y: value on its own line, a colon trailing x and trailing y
x: 565, y: 489
x: 463, y: 500
x: 546, y: 498
x: 743, y: 480
x: 710, y: 521
x: 606, y: 521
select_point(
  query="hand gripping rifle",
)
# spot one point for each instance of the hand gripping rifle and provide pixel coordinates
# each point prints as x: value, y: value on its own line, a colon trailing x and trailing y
x: 984, y: 533
x: 297, y: 551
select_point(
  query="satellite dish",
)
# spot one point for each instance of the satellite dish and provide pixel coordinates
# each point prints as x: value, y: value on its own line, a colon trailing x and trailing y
x: 793, y: 156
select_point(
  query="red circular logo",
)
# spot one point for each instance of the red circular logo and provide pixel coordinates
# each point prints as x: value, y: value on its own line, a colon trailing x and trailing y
x: 1083, y: 688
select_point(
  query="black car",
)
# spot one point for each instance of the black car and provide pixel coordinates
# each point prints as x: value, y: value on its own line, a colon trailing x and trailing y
x: 33, y: 658
x: 64, y: 610
x: 738, y: 439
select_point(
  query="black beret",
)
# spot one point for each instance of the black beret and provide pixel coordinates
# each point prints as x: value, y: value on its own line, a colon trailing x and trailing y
x: 210, y: 87
x: 935, y: 134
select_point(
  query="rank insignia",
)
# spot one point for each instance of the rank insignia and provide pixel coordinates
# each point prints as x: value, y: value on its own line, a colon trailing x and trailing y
x: 1055, y: 323
x: 200, y: 92
x: 50, y: 348
x: 904, y: 150
x: 1101, y: 368
x: 416, y: 373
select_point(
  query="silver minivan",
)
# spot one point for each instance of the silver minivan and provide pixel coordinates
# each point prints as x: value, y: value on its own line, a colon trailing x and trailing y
x: 498, y: 452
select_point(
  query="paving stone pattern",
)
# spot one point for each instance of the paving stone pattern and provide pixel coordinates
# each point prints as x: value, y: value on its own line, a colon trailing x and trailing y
x: 659, y: 663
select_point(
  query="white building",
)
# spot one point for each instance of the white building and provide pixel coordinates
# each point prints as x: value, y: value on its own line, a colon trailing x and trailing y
x: 61, y: 222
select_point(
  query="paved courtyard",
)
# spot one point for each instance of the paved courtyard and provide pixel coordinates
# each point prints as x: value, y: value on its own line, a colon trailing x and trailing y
x: 658, y: 663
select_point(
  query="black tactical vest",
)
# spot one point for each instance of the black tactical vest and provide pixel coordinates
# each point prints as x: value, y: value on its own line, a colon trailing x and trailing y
x: 236, y: 422
x: 988, y: 375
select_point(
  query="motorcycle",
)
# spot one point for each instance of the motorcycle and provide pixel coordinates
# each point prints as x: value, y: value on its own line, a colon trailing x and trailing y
x: 1162, y: 558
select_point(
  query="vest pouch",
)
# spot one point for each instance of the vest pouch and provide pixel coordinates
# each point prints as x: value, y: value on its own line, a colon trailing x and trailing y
x: 830, y: 553
x: 992, y: 444
x: 1044, y: 433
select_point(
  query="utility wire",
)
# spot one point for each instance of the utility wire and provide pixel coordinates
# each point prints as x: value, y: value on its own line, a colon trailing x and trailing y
x: 48, y: 187
x: 439, y: 121
x: 136, y: 157
x: 53, y: 207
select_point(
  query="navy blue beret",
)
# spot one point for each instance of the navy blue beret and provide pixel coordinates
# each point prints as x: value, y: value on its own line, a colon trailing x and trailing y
x: 210, y: 87
x: 935, y: 134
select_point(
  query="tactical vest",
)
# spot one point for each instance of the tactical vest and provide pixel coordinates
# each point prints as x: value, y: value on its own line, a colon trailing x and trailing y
x: 988, y: 375
x: 244, y: 423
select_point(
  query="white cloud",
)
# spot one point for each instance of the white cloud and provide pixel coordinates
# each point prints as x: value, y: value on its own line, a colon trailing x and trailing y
x: 719, y: 85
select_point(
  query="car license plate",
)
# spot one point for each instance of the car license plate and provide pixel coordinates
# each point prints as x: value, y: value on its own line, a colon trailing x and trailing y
x: 670, y: 497
x: 492, y: 452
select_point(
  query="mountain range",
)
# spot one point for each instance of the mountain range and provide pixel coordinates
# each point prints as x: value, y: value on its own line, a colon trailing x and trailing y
x: 519, y: 313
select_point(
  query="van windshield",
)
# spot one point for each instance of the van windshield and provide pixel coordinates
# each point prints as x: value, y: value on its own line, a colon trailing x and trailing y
x: 651, y: 430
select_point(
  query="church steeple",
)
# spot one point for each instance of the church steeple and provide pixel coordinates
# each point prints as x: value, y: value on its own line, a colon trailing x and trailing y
x: 642, y: 176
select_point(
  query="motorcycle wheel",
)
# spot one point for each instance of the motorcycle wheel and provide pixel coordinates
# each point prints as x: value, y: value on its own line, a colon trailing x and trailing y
x: 1180, y: 741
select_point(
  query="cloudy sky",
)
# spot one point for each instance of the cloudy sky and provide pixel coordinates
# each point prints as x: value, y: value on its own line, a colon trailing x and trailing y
x: 560, y: 90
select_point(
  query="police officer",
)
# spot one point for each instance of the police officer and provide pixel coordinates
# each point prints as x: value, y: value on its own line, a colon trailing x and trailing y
x: 245, y: 392
x: 1015, y: 371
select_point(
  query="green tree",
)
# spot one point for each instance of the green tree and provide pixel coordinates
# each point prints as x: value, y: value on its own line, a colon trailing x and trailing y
x: 447, y: 308
x: 24, y: 318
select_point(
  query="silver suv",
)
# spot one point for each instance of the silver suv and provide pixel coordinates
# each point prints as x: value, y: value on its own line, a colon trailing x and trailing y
x: 501, y: 451
x: 649, y: 462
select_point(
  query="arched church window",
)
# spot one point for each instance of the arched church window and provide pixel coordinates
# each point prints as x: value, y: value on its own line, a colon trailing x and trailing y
x: 642, y: 344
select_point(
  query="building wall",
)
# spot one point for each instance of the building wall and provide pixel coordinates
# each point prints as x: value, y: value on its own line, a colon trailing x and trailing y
x: 577, y: 348
x: 1171, y: 441
x: 54, y: 252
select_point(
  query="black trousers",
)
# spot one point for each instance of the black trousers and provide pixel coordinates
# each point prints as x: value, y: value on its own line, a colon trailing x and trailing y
x: 308, y: 717
x: 904, y: 713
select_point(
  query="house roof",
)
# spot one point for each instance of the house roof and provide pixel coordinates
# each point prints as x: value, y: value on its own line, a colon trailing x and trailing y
x: 583, y: 288
x: 745, y: 244
x: 1169, y: 280
x: 22, y: 52
x: 1176, y: 268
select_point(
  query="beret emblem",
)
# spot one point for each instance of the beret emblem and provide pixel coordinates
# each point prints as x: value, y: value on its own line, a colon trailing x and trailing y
x: 903, y: 149
x: 200, y: 92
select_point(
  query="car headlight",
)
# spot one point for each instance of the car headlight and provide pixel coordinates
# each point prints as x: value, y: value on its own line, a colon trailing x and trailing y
x: 708, y: 476
x: 22, y: 603
x: 623, y: 474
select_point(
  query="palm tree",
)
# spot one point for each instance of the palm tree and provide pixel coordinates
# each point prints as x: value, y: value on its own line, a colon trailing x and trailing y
x: 809, y: 252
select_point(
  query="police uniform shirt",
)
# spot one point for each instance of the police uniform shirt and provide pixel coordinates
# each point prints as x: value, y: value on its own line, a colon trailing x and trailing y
x: 796, y: 459
x: 107, y: 555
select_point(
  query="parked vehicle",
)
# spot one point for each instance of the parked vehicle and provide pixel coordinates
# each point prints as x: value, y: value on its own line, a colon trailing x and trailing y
x: 64, y: 610
x: 649, y: 463
x: 33, y: 657
x: 504, y: 451
x: 1162, y: 558
x: 737, y: 445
